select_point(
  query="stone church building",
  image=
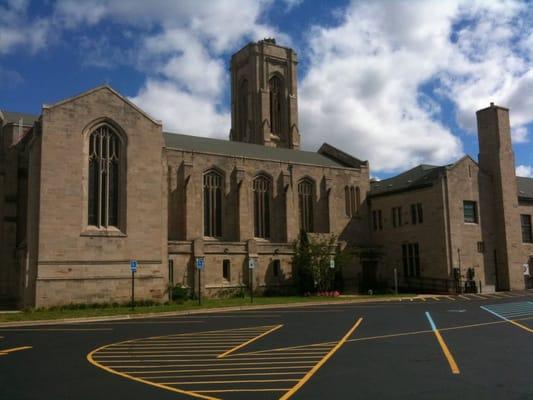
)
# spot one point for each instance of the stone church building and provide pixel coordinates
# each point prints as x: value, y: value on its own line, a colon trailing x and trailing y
x: 94, y: 182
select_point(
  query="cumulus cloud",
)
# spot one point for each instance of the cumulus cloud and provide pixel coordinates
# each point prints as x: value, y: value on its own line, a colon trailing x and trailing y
x: 182, y: 112
x: 364, y: 88
x: 524, y: 170
x: 17, y: 29
x: 182, y: 48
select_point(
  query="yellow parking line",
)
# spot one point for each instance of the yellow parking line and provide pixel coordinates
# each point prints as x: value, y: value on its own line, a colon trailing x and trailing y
x: 248, y: 342
x: 196, y: 365
x: 241, y: 390
x: 321, y: 362
x: 222, y: 375
x: 162, y: 358
x: 436, y: 298
x: 444, y: 347
x: 464, y: 297
x: 210, y: 369
x: 5, y: 352
x: 54, y: 329
x: 225, y: 382
x: 186, y: 392
x: 478, y: 296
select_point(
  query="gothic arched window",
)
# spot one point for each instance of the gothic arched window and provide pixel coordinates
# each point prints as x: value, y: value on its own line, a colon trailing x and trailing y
x: 261, y: 189
x: 242, y: 106
x: 305, y: 200
x: 353, y: 200
x: 276, y: 92
x: 213, y: 204
x: 104, y: 177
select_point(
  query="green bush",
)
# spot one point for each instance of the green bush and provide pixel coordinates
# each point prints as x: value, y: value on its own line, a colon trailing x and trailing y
x: 179, y: 294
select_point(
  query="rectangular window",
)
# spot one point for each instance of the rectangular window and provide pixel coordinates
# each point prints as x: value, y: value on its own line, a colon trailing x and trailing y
x: 480, y: 247
x: 411, y: 260
x: 420, y: 213
x: 377, y: 222
x: 417, y: 216
x: 527, y: 236
x: 470, y: 211
x: 276, y: 267
x: 396, y: 216
x: 226, y: 269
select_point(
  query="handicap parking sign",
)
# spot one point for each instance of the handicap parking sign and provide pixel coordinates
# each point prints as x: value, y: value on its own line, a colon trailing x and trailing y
x: 133, y: 265
x: 200, y: 263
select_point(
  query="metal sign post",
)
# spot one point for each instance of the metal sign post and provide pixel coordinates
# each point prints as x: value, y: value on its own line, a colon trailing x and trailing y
x: 133, y: 267
x: 395, y: 280
x: 200, y: 264
x: 332, y: 269
x: 251, y: 266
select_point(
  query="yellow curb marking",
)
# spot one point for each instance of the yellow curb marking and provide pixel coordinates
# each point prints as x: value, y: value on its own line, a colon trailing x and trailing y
x: 321, y: 362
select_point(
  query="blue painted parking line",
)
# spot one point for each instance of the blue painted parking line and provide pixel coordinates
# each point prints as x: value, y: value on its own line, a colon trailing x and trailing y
x: 509, y: 311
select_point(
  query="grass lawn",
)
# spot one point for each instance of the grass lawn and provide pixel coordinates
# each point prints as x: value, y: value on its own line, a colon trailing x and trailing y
x: 99, y: 311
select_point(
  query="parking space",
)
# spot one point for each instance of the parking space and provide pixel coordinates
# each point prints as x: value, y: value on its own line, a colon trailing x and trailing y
x: 475, y: 347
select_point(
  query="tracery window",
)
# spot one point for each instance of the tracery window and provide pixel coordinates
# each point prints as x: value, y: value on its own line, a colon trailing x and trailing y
x: 104, y: 177
x: 261, y: 189
x: 353, y: 200
x: 276, y: 91
x: 243, y: 108
x: 213, y: 204
x: 305, y: 200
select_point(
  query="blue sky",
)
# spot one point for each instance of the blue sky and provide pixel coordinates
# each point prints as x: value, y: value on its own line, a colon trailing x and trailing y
x: 397, y: 83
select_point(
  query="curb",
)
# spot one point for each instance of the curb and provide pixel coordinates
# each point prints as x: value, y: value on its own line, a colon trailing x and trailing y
x: 197, y: 312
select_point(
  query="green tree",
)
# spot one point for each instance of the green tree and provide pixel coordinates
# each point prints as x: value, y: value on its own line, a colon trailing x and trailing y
x: 311, y: 262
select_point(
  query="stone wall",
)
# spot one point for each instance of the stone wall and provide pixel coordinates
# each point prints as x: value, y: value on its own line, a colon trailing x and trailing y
x: 80, y: 264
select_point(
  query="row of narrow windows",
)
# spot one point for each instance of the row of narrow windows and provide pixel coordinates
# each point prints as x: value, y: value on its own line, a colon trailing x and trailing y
x: 262, y: 194
x: 417, y: 217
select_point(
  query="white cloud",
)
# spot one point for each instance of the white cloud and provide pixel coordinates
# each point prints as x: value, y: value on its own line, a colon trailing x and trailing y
x: 363, y: 89
x: 520, y: 134
x: 524, y: 170
x: 182, y: 48
x: 291, y: 4
x: 18, y: 30
x: 182, y: 112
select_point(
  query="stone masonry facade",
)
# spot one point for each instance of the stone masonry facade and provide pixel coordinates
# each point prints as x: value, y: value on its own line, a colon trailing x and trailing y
x: 429, y: 223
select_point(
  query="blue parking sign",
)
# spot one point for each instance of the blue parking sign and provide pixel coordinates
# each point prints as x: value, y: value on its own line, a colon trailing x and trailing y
x: 133, y: 265
x: 200, y: 263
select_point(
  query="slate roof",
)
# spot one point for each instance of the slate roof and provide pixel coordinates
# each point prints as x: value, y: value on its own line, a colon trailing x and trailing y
x: 420, y: 176
x: 15, y: 117
x: 525, y: 187
x: 239, y: 149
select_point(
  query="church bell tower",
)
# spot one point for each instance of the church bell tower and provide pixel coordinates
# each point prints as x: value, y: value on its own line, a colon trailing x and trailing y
x: 264, y: 106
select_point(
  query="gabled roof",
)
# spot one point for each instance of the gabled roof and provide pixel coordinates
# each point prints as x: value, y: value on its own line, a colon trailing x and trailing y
x: 341, y: 157
x: 15, y: 117
x: 109, y: 88
x: 249, y: 150
x: 415, y: 178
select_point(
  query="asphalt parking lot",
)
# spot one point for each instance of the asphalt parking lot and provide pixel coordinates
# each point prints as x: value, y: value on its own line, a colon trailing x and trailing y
x: 472, y: 347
